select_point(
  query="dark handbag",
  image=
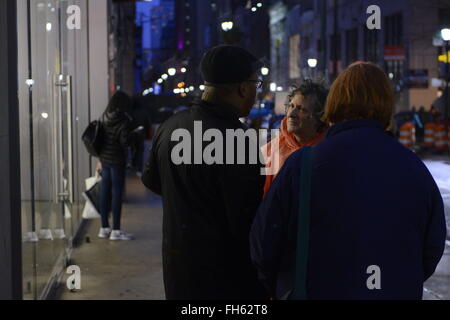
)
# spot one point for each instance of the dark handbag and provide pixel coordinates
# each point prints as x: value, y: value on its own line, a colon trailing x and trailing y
x: 301, y: 261
x: 93, y: 138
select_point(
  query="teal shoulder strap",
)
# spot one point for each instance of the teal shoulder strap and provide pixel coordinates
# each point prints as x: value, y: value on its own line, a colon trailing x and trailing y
x: 303, y: 226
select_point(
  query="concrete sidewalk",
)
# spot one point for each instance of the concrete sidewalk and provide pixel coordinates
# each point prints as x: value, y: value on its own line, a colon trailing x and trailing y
x: 124, y: 270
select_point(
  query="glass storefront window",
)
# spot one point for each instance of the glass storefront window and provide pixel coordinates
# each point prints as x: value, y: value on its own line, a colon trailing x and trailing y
x: 53, y: 97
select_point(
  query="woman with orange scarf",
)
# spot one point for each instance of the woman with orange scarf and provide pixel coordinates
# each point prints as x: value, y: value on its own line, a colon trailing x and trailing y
x: 301, y: 127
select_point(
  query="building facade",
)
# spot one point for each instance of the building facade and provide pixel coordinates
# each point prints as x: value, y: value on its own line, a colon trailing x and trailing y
x: 335, y: 33
x: 122, y: 37
x: 155, y: 33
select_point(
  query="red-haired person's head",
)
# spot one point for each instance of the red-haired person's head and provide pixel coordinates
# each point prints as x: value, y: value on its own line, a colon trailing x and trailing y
x: 362, y: 91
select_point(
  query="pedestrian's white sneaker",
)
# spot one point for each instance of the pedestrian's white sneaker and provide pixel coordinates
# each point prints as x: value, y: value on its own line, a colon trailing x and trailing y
x: 59, y: 234
x: 31, y: 237
x: 120, y: 235
x: 104, y: 233
x: 45, y: 234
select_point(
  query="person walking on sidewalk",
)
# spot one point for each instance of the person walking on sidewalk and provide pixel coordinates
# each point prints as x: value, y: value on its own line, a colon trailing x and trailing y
x: 116, y: 124
x: 208, y: 209
x: 376, y: 225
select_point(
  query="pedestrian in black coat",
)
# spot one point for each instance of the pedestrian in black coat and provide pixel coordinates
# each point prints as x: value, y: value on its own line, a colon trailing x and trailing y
x: 208, y: 209
x: 116, y: 124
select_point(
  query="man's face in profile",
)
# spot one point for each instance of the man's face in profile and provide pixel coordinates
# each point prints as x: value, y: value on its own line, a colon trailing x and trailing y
x: 249, y: 88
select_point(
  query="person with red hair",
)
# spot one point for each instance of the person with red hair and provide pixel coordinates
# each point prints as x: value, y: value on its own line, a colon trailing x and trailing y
x: 374, y: 224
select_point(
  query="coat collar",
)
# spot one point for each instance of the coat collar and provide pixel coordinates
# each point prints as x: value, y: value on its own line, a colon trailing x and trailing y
x: 354, y: 124
x: 220, y: 110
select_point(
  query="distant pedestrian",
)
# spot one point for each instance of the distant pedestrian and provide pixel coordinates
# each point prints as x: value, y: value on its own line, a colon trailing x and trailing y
x: 141, y: 124
x: 116, y: 123
x: 208, y: 209
x: 435, y: 114
x: 377, y: 227
x: 301, y: 127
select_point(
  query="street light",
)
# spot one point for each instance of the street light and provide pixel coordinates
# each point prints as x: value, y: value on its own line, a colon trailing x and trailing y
x: 164, y: 76
x: 273, y: 87
x: 445, y: 34
x: 172, y: 71
x: 227, y: 25
x: 183, y: 70
x: 264, y: 71
x: 312, y: 63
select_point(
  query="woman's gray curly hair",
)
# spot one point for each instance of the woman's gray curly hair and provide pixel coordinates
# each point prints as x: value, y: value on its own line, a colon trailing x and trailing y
x: 309, y: 87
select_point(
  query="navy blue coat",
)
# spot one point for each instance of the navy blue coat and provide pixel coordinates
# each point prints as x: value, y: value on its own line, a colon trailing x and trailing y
x: 373, y: 202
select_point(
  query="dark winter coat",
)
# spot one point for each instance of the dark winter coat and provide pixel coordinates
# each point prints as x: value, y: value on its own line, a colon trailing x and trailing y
x: 117, y: 136
x: 373, y: 202
x: 208, y: 211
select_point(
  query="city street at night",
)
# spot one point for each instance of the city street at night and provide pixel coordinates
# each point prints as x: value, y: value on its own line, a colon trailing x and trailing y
x: 206, y: 151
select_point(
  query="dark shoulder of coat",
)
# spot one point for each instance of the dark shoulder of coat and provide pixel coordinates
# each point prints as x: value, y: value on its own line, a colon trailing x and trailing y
x: 116, y: 135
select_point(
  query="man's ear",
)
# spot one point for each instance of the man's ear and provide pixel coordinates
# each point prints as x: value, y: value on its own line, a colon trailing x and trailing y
x: 242, y: 89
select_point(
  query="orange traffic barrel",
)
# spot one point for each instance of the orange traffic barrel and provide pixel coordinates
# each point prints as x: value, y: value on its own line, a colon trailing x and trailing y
x: 429, y: 134
x: 407, y: 134
x: 440, y: 137
x: 448, y: 137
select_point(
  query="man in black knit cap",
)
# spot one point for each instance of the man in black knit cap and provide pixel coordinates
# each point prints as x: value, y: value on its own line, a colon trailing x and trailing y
x: 209, y: 208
